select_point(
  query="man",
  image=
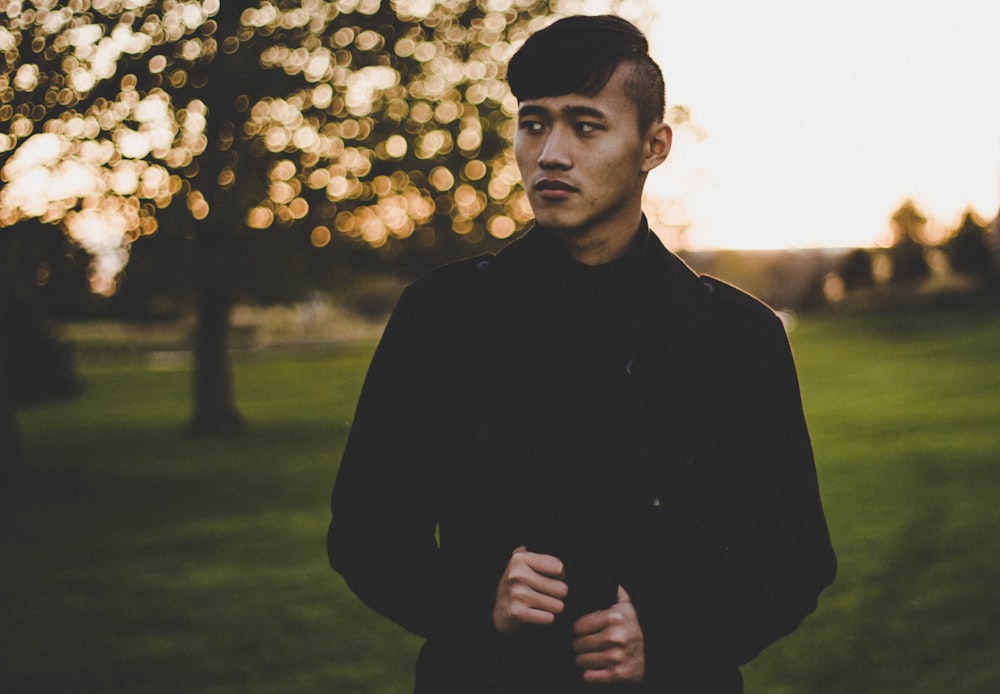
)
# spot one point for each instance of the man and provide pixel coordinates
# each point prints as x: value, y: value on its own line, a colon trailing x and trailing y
x: 577, y: 466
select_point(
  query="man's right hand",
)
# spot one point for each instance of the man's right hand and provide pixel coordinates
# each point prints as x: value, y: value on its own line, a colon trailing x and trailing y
x: 531, y: 591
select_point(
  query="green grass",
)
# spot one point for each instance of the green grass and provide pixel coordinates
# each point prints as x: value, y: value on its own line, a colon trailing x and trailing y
x: 904, y: 410
x: 136, y: 559
x: 139, y: 560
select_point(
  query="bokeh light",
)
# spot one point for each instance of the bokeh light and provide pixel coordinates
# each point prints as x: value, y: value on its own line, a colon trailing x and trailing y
x: 337, y: 120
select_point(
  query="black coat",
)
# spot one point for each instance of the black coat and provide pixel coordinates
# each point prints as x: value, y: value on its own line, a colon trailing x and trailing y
x: 646, y: 428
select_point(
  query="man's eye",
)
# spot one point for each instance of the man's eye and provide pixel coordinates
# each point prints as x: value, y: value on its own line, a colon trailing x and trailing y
x: 531, y: 126
x: 586, y: 128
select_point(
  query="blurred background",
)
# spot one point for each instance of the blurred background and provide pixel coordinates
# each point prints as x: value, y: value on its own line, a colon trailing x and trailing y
x: 208, y: 209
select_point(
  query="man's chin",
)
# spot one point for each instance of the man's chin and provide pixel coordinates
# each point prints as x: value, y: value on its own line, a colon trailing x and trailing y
x: 557, y: 222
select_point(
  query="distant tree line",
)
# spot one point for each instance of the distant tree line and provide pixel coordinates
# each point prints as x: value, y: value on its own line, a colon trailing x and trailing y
x: 964, y: 260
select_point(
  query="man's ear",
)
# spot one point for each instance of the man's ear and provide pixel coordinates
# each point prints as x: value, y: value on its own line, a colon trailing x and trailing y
x: 659, y: 137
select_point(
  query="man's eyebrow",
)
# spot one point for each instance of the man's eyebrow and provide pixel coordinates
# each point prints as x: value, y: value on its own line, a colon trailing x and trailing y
x: 570, y: 111
x: 529, y: 110
x: 588, y: 111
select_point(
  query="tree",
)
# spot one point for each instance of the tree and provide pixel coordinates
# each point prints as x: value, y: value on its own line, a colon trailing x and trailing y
x: 855, y: 270
x: 969, y: 251
x: 11, y: 450
x: 909, y: 262
x: 358, y: 122
x: 34, y: 365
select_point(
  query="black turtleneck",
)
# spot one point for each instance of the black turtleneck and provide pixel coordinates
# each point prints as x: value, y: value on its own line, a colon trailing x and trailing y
x: 589, y: 310
x: 576, y: 330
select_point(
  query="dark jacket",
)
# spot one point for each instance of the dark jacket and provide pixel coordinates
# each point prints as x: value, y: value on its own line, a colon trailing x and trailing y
x: 649, y: 433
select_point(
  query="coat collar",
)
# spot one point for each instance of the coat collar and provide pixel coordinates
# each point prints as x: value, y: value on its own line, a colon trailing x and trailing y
x: 669, y: 300
x: 662, y: 274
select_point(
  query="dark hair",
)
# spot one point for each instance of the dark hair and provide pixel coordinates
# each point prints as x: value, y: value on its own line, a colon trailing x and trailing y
x: 579, y: 54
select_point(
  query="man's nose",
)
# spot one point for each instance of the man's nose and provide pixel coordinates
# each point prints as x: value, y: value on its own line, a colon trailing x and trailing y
x: 555, y: 153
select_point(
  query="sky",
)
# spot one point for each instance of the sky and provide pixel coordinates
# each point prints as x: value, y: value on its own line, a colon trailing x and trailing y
x: 820, y: 118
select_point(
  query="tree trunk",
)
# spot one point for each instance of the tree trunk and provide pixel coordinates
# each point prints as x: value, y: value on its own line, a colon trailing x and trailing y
x: 11, y: 451
x: 214, y: 397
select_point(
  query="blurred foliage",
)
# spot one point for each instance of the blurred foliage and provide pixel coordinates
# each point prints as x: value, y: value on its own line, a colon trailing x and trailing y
x: 855, y: 269
x: 341, y: 125
x: 924, y: 259
x: 969, y: 251
x: 908, y: 222
x: 355, y: 121
x: 907, y: 253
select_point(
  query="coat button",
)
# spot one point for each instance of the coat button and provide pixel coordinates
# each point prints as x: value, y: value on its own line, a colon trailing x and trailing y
x: 654, y: 507
x: 629, y: 366
x: 483, y: 264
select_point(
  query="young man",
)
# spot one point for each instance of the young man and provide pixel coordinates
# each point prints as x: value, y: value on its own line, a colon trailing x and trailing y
x: 577, y: 466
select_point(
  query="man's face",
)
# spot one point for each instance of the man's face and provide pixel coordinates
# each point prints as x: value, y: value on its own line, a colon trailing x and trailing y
x: 584, y: 161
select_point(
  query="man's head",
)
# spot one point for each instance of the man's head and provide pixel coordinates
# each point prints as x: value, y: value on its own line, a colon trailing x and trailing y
x: 589, y: 130
x: 580, y: 54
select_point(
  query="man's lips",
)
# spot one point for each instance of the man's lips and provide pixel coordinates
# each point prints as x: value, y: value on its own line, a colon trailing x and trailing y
x: 554, y: 188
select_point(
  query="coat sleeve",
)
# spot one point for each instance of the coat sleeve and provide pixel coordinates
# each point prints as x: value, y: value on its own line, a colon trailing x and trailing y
x: 386, y: 498
x: 766, y: 553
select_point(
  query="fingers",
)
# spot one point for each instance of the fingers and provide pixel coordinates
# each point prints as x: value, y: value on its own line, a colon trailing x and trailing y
x: 536, y: 578
x: 534, y: 602
x: 591, y: 623
x: 609, y: 644
x: 530, y: 591
x: 623, y: 596
x: 611, y: 655
x: 599, y: 631
x: 544, y: 564
x: 621, y: 613
x: 610, y: 619
x: 617, y: 673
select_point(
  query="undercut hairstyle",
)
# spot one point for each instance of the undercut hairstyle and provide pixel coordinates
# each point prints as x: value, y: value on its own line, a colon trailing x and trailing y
x: 579, y: 54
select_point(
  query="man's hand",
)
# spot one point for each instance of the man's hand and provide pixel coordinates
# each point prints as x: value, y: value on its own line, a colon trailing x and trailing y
x: 530, y: 592
x: 609, y: 645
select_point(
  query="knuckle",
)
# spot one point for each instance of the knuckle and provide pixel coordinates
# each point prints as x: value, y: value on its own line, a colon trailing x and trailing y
x: 517, y: 574
x: 519, y: 592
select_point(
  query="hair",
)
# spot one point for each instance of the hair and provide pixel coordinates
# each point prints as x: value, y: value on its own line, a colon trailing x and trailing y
x: 579, y: 54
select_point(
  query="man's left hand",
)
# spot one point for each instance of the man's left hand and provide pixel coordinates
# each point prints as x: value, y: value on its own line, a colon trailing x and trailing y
x: 609, y: 645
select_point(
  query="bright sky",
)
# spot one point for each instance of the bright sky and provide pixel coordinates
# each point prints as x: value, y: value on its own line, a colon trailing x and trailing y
x: 823, y: 116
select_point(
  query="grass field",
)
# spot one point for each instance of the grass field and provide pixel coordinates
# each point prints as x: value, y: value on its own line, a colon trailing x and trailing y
x: 138, y: 560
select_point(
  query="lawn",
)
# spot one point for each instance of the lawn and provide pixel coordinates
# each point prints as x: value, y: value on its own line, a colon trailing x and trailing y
x: 139, y: 560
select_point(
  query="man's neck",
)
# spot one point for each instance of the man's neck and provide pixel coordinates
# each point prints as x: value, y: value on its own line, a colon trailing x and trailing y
x: 598, y: 246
